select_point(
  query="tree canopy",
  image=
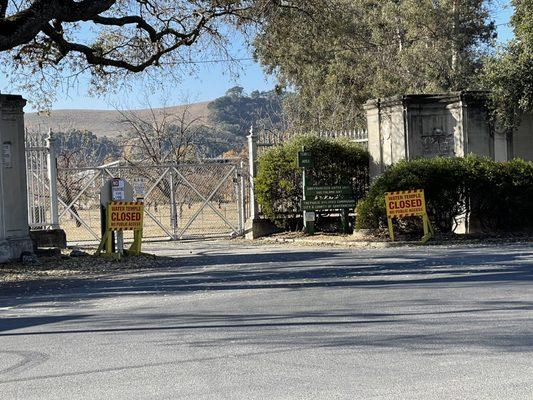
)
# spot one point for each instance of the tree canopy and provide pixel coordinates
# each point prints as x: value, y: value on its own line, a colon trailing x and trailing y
x: 236, y: 111
x: 509, y: 74
x: 44, y: 42
x: 341, y: 54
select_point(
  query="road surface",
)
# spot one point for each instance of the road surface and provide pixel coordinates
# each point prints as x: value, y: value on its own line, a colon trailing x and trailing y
x: 228, y: 320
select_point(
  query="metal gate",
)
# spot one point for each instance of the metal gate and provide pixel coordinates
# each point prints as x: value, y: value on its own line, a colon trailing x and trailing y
x: 40, y: 170
x: 188, y: 200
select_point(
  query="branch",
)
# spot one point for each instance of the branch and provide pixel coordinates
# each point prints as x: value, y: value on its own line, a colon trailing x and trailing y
x: 25, y: 25
x: 3, y: 8
x: 95, y: 56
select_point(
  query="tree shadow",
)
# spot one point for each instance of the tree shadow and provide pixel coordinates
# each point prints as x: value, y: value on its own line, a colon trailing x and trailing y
x: 296, y: 270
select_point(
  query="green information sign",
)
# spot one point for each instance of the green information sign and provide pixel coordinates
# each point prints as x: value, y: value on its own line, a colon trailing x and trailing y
x: 311, y: 191
x: 327, y: 204
x: 305, y: 159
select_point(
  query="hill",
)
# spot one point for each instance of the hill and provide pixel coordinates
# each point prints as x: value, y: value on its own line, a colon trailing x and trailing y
x: 103, y: 122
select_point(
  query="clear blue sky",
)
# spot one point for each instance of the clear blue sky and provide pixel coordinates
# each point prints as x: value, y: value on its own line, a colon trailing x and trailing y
x: 212, y: 80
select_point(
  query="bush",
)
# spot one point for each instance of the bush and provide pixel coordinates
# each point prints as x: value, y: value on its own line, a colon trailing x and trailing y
x: 498, y: 196
x: 278, y: 185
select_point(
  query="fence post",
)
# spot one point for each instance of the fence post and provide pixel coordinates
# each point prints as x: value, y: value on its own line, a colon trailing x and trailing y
x: 52, y: 179
x: 173, y: 209
x: 252, y: 158
x: 242, y: 197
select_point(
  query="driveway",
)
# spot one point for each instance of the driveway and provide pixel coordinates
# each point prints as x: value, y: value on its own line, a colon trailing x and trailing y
x: 229, y: 320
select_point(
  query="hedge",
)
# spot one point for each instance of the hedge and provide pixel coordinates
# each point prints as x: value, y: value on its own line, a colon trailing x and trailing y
x: 498, y: 196
x: 278, y: 184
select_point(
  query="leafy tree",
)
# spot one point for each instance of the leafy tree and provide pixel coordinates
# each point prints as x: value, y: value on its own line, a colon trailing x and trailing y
x: 47, y: 43
x: 83, y: 148
x: 341, y: 54
x: 235, y: 112
x: 509, y: 74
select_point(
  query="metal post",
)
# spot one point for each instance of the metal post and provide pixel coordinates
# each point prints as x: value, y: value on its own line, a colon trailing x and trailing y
x: 242, y: 198
x: 238, y: 198
x: 252, y: 158
x: 52, y: 179
x: 308, y: 216
x: 173, y: 209
x: 120, y: 243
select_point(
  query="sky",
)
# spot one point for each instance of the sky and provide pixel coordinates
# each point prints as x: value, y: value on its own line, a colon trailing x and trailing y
x: 211, y: 80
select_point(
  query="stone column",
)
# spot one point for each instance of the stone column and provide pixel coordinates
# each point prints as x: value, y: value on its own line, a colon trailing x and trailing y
x: 14, y: 231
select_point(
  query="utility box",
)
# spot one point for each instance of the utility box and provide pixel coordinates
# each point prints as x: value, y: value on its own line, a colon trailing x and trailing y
x: 14, y: 231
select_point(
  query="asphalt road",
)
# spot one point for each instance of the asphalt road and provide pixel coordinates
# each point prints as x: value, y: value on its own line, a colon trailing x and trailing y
x: 231, y: 321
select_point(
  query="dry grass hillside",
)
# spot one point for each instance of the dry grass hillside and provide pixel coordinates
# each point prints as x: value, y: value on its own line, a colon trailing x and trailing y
x: 104, y: 122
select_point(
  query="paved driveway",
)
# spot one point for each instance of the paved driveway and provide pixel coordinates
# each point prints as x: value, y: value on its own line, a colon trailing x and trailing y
x: 234, y: 321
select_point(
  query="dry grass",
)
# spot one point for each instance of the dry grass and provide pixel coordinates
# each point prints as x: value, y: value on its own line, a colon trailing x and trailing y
x: 102, y: 122
x: 207, y: 223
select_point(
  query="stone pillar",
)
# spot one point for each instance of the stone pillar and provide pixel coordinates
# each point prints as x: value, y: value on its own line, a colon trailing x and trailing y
x: 14, y: 231
x: 373, y: 114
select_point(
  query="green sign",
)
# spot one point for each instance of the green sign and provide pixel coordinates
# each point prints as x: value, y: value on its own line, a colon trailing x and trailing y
x: 312, y: 191
x: 327, y: 204
x: 305, y: 159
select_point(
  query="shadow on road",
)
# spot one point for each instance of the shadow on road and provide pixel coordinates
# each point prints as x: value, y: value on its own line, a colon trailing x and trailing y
x: 298, y: 270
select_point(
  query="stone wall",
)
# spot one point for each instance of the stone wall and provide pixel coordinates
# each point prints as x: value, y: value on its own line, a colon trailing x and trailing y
x: 452, y: 125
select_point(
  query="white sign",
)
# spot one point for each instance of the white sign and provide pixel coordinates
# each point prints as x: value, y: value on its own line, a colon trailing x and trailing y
x: 6, y: 154
x: 139, y: 187
x: 117, y: 190
x: 309, y: 216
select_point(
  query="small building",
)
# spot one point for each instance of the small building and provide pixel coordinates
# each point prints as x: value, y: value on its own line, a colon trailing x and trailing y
x: 14, y: 231
x: 429, y: 125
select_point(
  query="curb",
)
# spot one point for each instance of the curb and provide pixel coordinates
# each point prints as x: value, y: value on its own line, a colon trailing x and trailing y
x: 383, y: 245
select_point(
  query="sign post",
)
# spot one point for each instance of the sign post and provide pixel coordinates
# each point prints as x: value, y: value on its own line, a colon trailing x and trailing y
x: 120, y: 213
x: 305, y: 160
x: 408, y: 203
x: 333, y: 197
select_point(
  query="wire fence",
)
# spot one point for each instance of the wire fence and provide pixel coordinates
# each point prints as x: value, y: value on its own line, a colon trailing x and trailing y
x: 181, y: 201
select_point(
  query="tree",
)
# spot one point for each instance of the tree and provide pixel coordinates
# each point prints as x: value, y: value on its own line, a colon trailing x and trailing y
x: 162, y: 137
x: 235, y: 112
x: 78, y: 149
x: 338, y: 56
x: 509, y: 73
x: 46, y: 42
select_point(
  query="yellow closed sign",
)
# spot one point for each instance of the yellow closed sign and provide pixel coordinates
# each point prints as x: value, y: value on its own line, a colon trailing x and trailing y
x: 125, y: 216
x: 406, y: 203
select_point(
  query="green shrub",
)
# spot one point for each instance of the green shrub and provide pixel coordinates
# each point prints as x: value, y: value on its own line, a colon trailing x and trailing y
x: 278, y: 184
x: 498, y: 196
x: 441, y: 178
x: 501, y: 194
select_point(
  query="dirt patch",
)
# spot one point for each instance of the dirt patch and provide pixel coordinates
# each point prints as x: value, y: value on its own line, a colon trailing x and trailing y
x: 373, y: 240
x: 76, y: 267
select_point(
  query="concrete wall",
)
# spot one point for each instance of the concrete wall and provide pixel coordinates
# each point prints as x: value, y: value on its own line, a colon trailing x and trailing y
x: 14, y: 232
x: 450, y: 125
x: 522, y: 139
